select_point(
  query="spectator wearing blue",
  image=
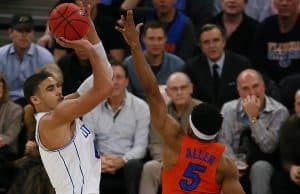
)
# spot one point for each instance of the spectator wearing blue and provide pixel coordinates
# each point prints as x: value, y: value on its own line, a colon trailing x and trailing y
x: 21, y: 58
x: 161, y: 62
x: 179, y: 28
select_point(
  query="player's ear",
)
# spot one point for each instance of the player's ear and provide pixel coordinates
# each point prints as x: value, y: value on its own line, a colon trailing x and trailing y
x: 35, y: 100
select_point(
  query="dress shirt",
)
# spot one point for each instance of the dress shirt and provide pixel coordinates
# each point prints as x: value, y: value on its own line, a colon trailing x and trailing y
x: 265, y: 132
x: 124, y: 132
x: 16, y: 71
x: 219, y: 62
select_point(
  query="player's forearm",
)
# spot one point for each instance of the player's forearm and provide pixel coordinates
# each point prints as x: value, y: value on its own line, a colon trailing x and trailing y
x: 101, y: 72
x: 92, y: 34
x: 88, y: 83
x: 158, y: 108
x: 145, y: 75
x: 101, y: 52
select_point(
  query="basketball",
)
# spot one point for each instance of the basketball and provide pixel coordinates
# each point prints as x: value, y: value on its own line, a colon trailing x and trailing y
x: 66, y: 20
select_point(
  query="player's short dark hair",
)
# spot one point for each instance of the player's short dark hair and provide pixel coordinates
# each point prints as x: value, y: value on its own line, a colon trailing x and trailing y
x: 31, y: 84
x: 207, y: 118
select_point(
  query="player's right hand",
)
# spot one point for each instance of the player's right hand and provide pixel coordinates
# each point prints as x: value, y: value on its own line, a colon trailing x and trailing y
x: 82, y: 46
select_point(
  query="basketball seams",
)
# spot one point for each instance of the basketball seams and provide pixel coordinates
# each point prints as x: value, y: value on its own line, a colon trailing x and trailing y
x: 70, y: 27
x: 74, y: 29
x: 59, y: 16
x: 64, y: 18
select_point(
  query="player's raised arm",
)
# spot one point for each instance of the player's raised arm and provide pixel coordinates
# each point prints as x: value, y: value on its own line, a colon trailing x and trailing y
x: 101, y: 83
x: 159, y: 115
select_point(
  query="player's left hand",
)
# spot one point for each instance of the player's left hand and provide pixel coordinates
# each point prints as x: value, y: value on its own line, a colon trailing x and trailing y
x: 129, y: 30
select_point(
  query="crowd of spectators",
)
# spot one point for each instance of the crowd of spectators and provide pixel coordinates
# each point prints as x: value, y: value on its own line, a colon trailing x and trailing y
x: 243, y: 56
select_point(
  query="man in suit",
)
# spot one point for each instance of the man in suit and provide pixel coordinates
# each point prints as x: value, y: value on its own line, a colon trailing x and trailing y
x: 214, y: 72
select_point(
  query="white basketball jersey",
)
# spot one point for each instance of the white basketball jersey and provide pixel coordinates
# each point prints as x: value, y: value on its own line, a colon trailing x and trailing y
x: 75, y: 168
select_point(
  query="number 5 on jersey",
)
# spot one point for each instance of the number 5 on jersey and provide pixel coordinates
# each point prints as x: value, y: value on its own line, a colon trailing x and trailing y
x: 191, y: 177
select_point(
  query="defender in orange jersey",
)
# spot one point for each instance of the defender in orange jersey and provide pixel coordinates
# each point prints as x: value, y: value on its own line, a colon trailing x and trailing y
x: 193, y: 163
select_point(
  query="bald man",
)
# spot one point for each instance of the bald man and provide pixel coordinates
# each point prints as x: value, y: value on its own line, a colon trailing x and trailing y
x: 256, y: 117
x: 179, y: 90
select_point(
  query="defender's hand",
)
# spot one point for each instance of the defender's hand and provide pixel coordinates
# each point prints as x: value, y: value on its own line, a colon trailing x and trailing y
x: 129, y: 30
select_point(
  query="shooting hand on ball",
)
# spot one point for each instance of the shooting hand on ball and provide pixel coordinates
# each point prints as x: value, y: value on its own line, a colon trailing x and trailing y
x: 83, y: 46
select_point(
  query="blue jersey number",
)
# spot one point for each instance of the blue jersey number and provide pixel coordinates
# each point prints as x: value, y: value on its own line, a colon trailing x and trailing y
x: 191, y: 177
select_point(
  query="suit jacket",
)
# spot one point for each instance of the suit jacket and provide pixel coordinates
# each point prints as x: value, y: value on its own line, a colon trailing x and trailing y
x: 199, y: 72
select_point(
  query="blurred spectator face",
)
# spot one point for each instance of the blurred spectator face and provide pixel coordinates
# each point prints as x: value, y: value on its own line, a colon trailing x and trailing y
x: 155, y: 40
x: 212, y: 44
x: 233, y: 7
x: 286, y: 8
x: 297, y: 103
x: 21, y: 38
x: 251, y: 84
x: 179, y: 88
x: 120, y: 81
x: 164, y: 6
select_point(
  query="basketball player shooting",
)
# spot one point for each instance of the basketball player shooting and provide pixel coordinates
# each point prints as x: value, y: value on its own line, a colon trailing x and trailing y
x: 193, y: 163
x: 66, y: 145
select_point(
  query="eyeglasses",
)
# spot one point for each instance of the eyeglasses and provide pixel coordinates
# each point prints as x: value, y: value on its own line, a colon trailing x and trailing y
x: 177, y: 88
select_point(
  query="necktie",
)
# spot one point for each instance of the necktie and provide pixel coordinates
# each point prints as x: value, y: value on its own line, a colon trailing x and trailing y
x: 216, y: 79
